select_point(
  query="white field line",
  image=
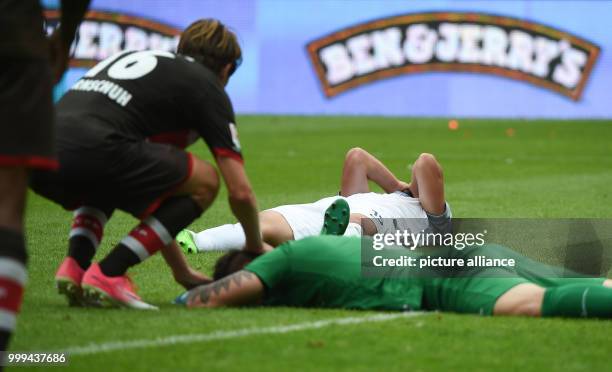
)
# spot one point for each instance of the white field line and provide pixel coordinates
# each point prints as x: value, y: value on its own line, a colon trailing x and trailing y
x: 96, y: 348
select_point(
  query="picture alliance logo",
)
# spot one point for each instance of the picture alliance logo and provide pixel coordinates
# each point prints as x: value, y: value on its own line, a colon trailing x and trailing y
x: 103, y: 34
x: 463, y: 42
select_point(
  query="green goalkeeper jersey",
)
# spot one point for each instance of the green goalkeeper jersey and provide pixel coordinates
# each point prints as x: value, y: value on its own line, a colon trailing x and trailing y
x: 325, y: 271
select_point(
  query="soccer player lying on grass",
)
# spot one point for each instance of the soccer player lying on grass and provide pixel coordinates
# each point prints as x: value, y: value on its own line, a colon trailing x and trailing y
x: 121, y: 134
x: 421, y: 201
x: 325, y: 272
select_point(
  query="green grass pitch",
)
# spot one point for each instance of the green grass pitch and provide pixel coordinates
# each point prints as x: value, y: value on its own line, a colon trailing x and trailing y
x: 536, y: 169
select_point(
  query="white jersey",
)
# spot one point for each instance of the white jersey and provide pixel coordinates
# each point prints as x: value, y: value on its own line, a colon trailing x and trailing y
x: 390, y: 212
x: 307, y: 219
x: 394, y: 205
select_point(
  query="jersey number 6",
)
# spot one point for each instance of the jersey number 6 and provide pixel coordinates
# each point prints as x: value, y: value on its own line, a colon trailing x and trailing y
x: 130, y: 67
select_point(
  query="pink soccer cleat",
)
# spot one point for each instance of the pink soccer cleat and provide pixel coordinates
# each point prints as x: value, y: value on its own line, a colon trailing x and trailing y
x: 68, y: 281
x: 105, y: 291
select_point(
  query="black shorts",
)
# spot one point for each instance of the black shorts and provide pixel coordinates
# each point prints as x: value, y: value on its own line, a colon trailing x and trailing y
x: 26, y: 113
x: 112, y: 173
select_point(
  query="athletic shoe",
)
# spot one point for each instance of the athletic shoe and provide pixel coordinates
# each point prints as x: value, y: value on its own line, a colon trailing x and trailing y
x: 336, y: 218
x: 185, y: 240
x: 104, y: 291
x: 68, y: 281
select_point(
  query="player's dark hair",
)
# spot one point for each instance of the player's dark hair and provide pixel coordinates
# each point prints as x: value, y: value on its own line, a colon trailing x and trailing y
x: 231, y: 262
x: 212, y: 44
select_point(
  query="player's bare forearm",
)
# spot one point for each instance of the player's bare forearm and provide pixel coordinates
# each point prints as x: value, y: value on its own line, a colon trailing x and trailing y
x: 245, y: 210
x: 181, y: 271
x: 239, y: 289
x: 73, y: 12
x: 377, y: 172
x: 242, y: 201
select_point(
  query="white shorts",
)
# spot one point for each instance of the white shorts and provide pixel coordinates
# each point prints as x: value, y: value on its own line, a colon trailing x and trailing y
x: 305, y: 219
x: 394, y: 205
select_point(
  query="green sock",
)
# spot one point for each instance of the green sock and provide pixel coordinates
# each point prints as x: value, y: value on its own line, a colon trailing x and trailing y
x: 578, y: 300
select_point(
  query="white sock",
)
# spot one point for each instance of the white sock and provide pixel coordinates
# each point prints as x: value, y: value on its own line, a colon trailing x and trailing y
x: 353, y: 229
x: 221, y: 238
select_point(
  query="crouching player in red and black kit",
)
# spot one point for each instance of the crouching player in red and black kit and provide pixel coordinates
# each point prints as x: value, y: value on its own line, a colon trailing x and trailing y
x: 120, y: 132
x: 26, y: 128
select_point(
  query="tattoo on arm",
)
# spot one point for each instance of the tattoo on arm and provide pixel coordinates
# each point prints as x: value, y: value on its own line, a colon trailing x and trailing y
x: 205, y: 292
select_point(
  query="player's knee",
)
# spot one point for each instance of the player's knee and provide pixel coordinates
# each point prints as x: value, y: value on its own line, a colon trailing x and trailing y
x: 206, y: 185
x: 428, y: 163
x: 427, y: 160
x: 209, y: 188
x: 355, y: 156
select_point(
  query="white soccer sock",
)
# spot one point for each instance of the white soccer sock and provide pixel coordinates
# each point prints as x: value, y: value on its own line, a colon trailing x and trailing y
x: 353, y: 229
x: 221, y: 238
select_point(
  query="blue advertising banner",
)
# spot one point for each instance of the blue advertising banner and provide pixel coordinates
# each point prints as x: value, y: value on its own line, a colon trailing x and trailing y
x: 532, y: 59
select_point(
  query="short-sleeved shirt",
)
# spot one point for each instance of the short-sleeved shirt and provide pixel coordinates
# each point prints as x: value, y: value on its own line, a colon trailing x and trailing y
x: 325, y: 271
x: 148, y: 95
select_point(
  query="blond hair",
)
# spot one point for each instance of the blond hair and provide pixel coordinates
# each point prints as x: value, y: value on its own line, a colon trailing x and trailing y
x: 211, y: 43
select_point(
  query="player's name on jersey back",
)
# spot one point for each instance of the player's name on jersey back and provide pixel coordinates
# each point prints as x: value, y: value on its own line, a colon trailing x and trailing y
x: 113, y: 91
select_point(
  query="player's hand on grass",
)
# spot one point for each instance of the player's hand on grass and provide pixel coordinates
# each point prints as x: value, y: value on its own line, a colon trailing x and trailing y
x: 59, y: 55
x: 191, y: 278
